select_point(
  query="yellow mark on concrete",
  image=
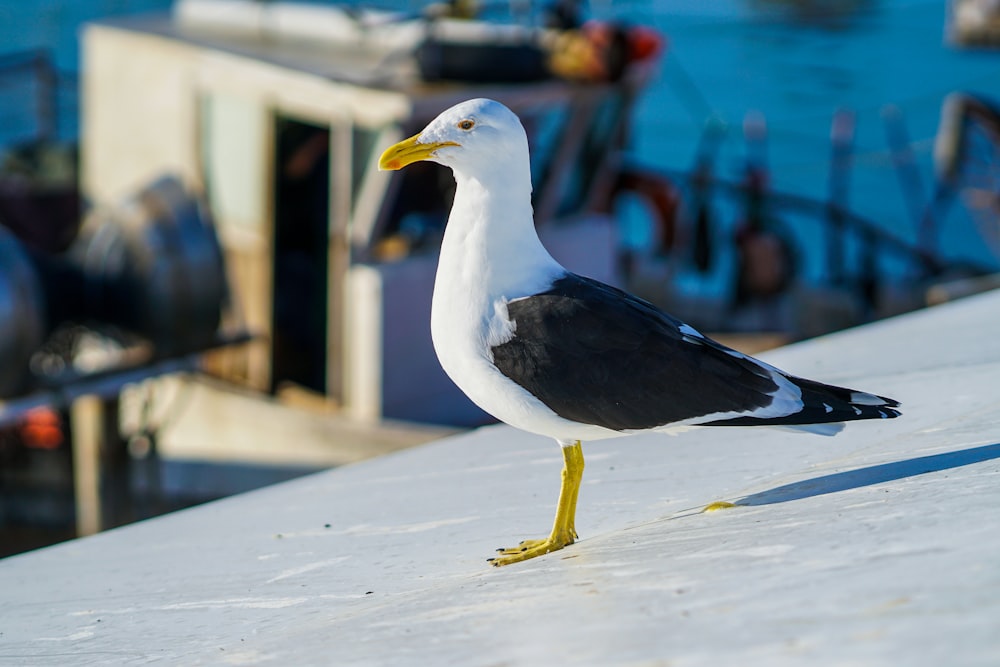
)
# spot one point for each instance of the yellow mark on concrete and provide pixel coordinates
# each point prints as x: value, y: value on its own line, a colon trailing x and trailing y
x: 718, y: 505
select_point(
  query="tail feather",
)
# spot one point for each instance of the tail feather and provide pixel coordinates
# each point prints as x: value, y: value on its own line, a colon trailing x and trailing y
x: 824, y: 404
x: 846, y: 404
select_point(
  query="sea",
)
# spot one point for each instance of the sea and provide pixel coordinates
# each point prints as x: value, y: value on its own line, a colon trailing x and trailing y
x: 792, y: 64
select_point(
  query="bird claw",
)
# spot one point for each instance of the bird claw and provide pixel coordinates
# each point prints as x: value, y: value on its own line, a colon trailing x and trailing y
x: 522, y: 546
x: 527, y: 549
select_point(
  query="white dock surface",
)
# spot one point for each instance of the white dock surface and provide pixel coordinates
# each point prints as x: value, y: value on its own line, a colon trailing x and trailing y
x: 878, y: 547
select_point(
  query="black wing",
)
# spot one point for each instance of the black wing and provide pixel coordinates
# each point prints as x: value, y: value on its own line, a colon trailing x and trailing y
x: 597, y: 355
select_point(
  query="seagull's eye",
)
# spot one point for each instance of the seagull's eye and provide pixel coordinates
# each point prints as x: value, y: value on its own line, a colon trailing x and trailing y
x: 466, y: 124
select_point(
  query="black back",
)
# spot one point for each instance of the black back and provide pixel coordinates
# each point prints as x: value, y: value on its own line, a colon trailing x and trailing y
x: 597, y: 355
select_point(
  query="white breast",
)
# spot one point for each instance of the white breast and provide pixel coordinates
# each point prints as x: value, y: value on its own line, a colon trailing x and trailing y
x: 491, y: 255
x: 466, y: 322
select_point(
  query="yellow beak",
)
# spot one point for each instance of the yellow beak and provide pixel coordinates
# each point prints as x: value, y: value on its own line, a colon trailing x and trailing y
x: 409, y: 151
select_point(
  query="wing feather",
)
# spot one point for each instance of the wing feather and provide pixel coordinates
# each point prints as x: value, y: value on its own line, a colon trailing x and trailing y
x: 597, y: 355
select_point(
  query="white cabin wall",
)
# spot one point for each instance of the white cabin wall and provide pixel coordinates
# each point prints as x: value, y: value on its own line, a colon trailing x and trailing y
x: 138, y: 112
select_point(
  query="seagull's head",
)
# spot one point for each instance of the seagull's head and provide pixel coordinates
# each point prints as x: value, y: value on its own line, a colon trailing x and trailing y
x: 469, y: 137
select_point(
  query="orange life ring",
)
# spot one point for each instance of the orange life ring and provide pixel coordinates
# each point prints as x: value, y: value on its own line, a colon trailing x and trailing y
x: 660, y: 194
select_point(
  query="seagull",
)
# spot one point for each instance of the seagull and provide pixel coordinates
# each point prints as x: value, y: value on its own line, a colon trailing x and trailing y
x: 558, y: 354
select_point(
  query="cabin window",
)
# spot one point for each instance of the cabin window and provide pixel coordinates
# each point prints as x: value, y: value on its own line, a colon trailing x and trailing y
x: 363, y: 146
x: 235, y: 155
x: 301, y: 244
x: 234, y: 150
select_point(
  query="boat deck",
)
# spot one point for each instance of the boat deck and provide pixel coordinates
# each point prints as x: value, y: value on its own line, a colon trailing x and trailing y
x: 878, y: 547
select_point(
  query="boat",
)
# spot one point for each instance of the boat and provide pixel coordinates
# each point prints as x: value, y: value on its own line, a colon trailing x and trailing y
x: 277, y: 112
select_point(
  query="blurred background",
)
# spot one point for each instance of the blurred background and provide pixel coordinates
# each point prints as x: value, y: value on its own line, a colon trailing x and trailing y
x: 206, y: 286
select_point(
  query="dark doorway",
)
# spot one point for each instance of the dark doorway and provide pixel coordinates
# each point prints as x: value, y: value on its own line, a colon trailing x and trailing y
x: 301, y: 241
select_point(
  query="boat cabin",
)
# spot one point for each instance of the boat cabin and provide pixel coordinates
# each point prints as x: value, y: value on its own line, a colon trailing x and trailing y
x: 277, y: 116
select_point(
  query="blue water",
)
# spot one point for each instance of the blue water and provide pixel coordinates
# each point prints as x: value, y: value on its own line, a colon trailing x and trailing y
x: 55, y: 24
x: 724, y: 59
x: 744, y: 55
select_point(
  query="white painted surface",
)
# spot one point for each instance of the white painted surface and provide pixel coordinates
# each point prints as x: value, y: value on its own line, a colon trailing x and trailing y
x: 878, y: 547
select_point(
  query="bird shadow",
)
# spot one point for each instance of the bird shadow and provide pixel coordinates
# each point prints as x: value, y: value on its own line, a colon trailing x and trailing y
x: 885, y: 472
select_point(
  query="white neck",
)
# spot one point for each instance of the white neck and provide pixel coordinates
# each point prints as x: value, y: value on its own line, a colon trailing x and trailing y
x: 490, y: 242
x: 490, y: 255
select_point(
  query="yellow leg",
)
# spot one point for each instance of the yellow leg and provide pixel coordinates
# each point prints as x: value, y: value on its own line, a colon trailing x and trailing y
x: 564, y: 527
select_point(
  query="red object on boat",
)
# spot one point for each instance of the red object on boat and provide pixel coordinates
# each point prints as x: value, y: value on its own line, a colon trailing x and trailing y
x: 42, y: 429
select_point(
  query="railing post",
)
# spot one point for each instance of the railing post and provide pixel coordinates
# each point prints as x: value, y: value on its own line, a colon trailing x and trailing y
x: 45, y: 72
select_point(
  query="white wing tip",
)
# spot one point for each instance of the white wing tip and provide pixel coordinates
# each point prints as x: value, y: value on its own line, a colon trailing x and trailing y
x: 864, y: 398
